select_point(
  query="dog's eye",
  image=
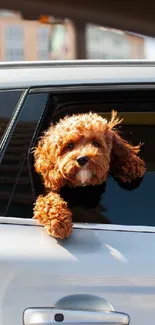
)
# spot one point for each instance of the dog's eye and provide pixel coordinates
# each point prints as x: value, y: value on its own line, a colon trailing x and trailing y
x: 70, y: 145
x: 96, y: 144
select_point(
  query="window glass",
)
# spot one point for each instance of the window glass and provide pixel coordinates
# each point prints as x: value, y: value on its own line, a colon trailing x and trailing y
x: 15, y: 179
x: 9, y: 100
x: 43, y: 43
x: 14, y: 43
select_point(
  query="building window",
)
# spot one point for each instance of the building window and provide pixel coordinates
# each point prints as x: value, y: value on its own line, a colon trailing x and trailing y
x: 43, y: 42
x: 14, y: 43
x: 14, y: 54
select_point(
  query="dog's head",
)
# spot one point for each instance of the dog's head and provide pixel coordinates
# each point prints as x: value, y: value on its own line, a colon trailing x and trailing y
x: 82, y: 150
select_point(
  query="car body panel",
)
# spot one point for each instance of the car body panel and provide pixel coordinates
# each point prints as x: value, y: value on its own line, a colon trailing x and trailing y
x: 37, y: 271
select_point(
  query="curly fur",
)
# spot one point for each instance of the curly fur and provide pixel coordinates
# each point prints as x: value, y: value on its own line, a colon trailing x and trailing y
x: 87, y: 135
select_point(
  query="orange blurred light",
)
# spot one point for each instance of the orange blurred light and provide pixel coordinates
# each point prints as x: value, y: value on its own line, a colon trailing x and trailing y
x: 45, y: 19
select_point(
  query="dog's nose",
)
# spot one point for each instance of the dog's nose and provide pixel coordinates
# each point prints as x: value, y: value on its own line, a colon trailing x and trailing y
x: 82, y: 160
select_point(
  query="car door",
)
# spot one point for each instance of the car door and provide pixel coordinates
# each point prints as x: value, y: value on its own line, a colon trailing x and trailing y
x: 103, y: 274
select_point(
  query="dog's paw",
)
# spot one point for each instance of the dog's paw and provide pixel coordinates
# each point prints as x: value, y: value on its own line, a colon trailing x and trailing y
x: 52, y: 212
x: 59, y: 228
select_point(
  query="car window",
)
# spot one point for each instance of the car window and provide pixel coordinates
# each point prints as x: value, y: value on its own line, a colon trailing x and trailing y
x: 116, y: 203
x: 15, y: 181
x: 8, y: 100
x: 111, y: 202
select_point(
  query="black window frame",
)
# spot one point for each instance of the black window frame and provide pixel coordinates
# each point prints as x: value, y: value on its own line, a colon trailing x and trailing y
x: 20, y: 109
x: 12, y: 117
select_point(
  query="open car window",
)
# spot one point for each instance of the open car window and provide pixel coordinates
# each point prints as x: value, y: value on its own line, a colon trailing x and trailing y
x: 111, y: 203
x: 116, y: 203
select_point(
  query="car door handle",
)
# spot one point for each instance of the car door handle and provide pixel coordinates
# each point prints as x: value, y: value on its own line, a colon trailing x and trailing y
x: 51, y: 316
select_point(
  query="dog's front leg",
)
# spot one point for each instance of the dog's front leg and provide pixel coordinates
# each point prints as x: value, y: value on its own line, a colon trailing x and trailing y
x: 52, y: 212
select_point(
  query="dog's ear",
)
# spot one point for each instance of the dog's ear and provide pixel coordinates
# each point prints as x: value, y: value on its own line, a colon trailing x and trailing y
x: 125, y: 164
x: 45, y: 162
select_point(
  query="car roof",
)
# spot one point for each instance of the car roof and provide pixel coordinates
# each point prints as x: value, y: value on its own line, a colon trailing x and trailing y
x: 64, y: 73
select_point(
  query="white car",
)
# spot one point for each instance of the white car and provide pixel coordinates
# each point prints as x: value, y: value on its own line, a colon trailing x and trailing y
x: 105, y: 272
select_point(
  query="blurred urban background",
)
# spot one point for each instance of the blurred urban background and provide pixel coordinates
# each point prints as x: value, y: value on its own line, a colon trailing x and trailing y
x: 52, y: 38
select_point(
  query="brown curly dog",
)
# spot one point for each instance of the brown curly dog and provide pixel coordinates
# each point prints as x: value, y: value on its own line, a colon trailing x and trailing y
x: 80, y: 150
